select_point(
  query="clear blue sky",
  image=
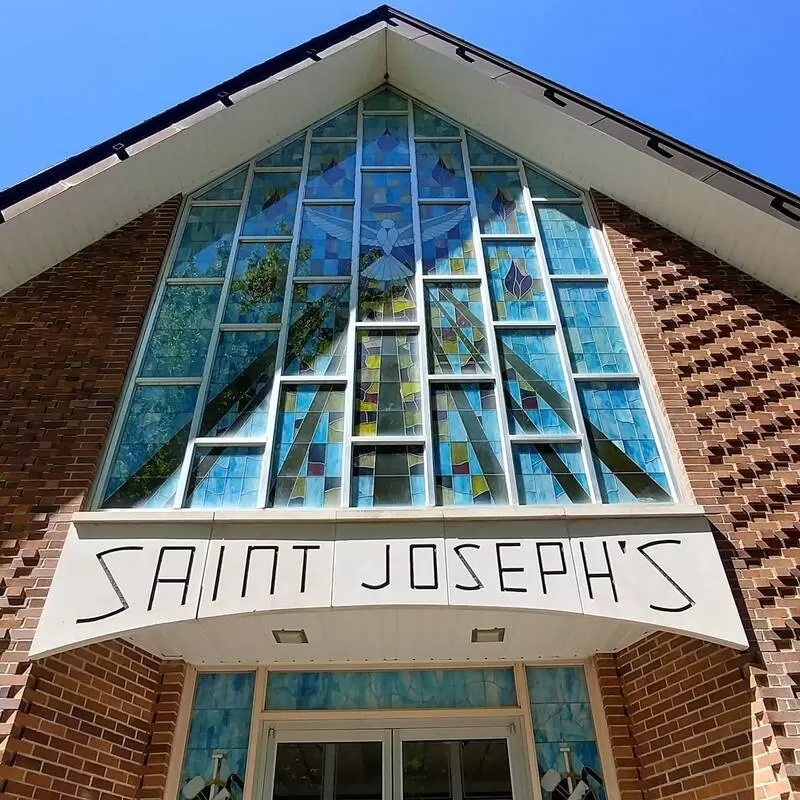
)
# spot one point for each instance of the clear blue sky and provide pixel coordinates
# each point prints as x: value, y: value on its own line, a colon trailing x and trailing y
x: 719, y: 74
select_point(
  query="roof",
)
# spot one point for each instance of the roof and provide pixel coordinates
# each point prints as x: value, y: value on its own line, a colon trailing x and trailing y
x: 749, y: 222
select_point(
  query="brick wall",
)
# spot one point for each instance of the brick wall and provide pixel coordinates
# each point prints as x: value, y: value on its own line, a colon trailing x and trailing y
x: 704, y: 721
x: 66, y: 339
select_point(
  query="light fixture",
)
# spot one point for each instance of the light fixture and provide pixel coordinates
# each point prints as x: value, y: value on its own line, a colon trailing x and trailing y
x: 485, y: 635
x: 290, y: 637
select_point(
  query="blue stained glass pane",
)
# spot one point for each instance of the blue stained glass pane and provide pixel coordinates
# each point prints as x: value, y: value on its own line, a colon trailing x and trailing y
x: 326, y: 241
x: 318, y: 323
x: 428, y: 124
x: 482, y: 154
x: 182, y: 331
x: 390, y: 689
x: 259, y: 281
x: 440, y: 170
x: 220, y: 725
x: 447, y: 245
x: 205, y: 242
x: 241, y: 384
x: 273, y: 199
x: 388, y: 476
x: 567, y: 240
x: 385, y: 100
x: 557, y: 685
x: 624, y: 450
x: 569, y: 767
x: 467, y: 456
x: 150, y: 451
x: 224, y: 477
x: 456, y: 331
x: 230, y: 189
x: 308, y: 447
x: 331, y: 171
x: 541, y: 186
x: 550, y: 474
x: 594, y: 338
x: 501, y: 208
x: 386, y: 285
x: 343, y: 124
x: 533, y: 382
x: 290, y: 155
x: 515, y: 285
x: 385, y: 142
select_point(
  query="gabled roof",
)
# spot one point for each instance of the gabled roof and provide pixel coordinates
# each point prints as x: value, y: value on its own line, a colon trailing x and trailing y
x: 749, y: 222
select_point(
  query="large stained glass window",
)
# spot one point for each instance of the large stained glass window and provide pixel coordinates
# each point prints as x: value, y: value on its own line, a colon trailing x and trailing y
x: 385, y: 310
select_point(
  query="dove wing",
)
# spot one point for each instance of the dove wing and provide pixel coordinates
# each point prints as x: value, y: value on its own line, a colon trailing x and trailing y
x: 432, y: 228
x: 333, y: 226
x: 405, y: 236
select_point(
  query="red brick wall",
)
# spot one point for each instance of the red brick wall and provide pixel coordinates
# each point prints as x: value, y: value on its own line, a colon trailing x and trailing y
x: 725, y: 350
x: 66, y: 340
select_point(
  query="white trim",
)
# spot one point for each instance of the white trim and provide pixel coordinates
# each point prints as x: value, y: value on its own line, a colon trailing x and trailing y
x: 601, y: 731
x: 524, y: 700
x: 180, y: 734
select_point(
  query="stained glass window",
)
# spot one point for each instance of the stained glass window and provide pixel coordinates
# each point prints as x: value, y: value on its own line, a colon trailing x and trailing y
x: 385, y: 310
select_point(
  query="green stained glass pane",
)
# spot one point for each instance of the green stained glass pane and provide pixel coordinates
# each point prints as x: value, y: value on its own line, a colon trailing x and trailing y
x: 501, y: 208
x: 386, y: 284
x: 290, y: 155
x: 385, y: 100
x: 388, y: 476
x: 515, y: 284
x: 240, y: 384
x: 550, y: 474
x: 388, y: 394
x: 148, y: 458
x: 326, y: 241
x: 205, y: 243
x: 259, y: 283
x: 426, y: 123
x: 385, y: 142
x: 440, y: 170
x: 230, y: 189
x: 331, y: 171
x: 467, y: 453
x: 482, y: 154
x: 542, y: 187
x: 182, y: 331
x: 447, y: 244
x: 567, y: 240
x: 318, y: 324
x: 343, y: 124
x: 271, y: 208
x: 456, y: 331
x: 308, y: 447
x: 224, y: 477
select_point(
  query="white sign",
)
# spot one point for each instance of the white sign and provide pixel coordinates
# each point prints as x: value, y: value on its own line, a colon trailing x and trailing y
x: 107, y: 587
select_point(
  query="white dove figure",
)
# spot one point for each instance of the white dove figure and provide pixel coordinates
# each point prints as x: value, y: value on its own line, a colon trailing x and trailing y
x: 387, y: 236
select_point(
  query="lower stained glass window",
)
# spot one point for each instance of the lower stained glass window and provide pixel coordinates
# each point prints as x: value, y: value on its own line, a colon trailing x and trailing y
x: 388, y: 475
x: 224, y: 477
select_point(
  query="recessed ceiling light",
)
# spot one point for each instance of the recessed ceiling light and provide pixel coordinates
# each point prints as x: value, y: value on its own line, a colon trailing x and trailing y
x: 484, y: 635
x: 290, y: 637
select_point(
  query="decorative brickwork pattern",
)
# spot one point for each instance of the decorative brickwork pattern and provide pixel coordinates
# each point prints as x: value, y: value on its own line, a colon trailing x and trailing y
x: 725, y: 351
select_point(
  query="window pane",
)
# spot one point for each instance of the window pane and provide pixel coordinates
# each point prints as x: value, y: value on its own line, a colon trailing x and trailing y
x: 533, y: 382
x: 359, y: 773
x: 273, y: 198
x: 308, y: 447
x: 385, y: 142
x: 291, y: 155
x: 150, y: 452
x: 447, y: 246
x: 550, y: 474
x: 326, y: 241
x: 299, y: 771
x: 331, y: 170
x: 467, y: 455
x: 319, y: 316
x: 385, y: 100
x: 240, y: 384
x: 343, y: 124
x: 426, y: 771
x: 542, y: 186
x: 594, y: 338
x: 426, y: 123
x: 482, y: 154
x: 388, y: 476
x: 498, y: 196
x: 224, y: 477
x: 456, y: 333
x: 182, y: 331
x: 440, y: 170
x: 230, y: 189
x: 626, y: 458
x: 205, y: 243
x: 567, y: 240
x: 515, y: 283
x: 259, y: 281
x: 485, y: 769
x: 386, y: 286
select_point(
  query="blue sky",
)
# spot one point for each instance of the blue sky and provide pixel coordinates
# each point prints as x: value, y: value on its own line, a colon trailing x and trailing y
x: 719, y: 74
